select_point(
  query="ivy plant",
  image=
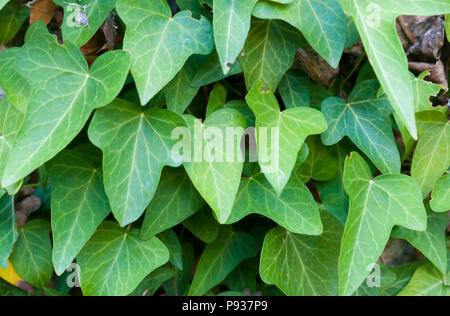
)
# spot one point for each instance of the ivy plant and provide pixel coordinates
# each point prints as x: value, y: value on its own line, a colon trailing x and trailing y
x: 223, y: 147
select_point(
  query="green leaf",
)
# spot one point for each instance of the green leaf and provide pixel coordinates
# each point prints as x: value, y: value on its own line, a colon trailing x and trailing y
x: 364, y: 118
x: 115, y: 260
x: 8, y: 229
x: 376, y: 206
x: 160, y: 44
x: 96, y: 13
x: 294, y: 209
x: 203, y: 225
x: 170, y: 239
x: 3, y: 3
x: 16, y: 87
x: 431, y: 243
x: 322, y: 22
x: 269, y: 52
x: 220, y: 258
x: 231, y: 25
x: 432, y: 154
x: 136, y: 145
x: 243, y: 278
x: 12, y: 16
x: 375, y: 21
x: 294, y: 89
x: 286, y: 132
x: 32, y: 254
x: 175, y: 200
x: 303, y: 265
x: 403, y: 275
x: 181, y: 281
x: 153, y: 281
x: 79, y: 203
x: 426, y: 281
x: 440, y: 198
x: 447, y: 26
x: 7, y: 289
x: 55, y: 116
x: 194, y: 6
x: 213, y: 169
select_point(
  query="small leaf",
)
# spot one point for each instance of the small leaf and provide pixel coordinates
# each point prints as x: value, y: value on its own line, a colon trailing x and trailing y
x: 203, y: 225
x: 170, y: 239
x: 440, y: 198
x: 153, y: 281
x: 115, y: 261
x: 426, y: 281
x: 294, y: 89
x: 8, y: 229
x: 12, y: 16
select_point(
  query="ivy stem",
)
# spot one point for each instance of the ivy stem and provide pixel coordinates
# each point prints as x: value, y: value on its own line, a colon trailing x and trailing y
x: 33, y: 185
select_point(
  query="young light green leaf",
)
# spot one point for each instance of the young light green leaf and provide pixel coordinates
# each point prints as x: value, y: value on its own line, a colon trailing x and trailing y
x: 3, y: 3
x: 216, y: 167
x: 175, y: 200
x: 12, y: 17
x: 96, y: 13
x: 79, y: 203
x: 286, y: 132
x: 220, y: 258
x: 294, y: 89
x: 136, y: 145
x: 8, y: 229
x: 303, y: 265
x: 440, y: 198
x: 115, y: 260
x: 231, y: 25
x: 55, y: 116
x: 426, y: 281
x: 322, y: 22
x: 160, y: 44
x: 364, y: 118
x: 432, y: 154
x: 376, y: 206
x: 269, y: 52
x: 203, y: 225
x: 170, y: 239
x: 32, y: 254
x: 431, y: 243
x: 375, y: 21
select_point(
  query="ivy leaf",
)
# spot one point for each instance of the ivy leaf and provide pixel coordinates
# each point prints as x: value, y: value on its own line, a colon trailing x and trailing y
x: 16, y: 87
x: 12, y: 16
x: 175, y: 200
x: 215, y: 175
x: 115, y: 260
x: 269, y: 52
x: 231, y: 25
x: 289, y: 129
x: 79, y: 203
x: 194, y: 6
x: 426, y: 281
x: 322, y: 22
x: 432, y: 154
x: 203, y: 225
x: 303, y: 265
x: 220, y: 258
x: 431, y: 243
x: 160, y: 44
x: 375, y: 21
x: 136, y: 145
x: 3, y: 3
x: 440, y: 198
x: 153, y: 281
x: 8, y: 229
x: 96, y: 13
x: 376, y: 206
x: 364, y: 118
x: 170, y: 239
x: 32, y: 254
x: 294, y: 89
x: 79, y: 92
x: 183, y: 278
x: 243, y: 278
x: 294, y: 209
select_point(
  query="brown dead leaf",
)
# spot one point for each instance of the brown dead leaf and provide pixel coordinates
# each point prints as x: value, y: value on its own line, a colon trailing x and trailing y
x: 42, y: 10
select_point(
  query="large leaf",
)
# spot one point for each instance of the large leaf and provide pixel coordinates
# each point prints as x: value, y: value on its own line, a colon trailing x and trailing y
x: 8, y: 229
x: 231, y: 25
x: 96, y: 13
x: 376, y: 206
x: 286, y: 132
x: 115, y: 260
x: 303, y: 265
x: 32, y: 254
x: 364, y: 118
x: 294, y: 209
x: 440, y: 198
x: 79, y: 203
x: 175, y: 200
x: 160, y: 44
x: 322, y: 22
x: 375, y: 21
x: 65, y: 93
x: 12, y: 17
x: 136, y: 145
x: 214, y: 168
x: 220, y: 258
x: 269, y: 52
x: 432, y: 154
